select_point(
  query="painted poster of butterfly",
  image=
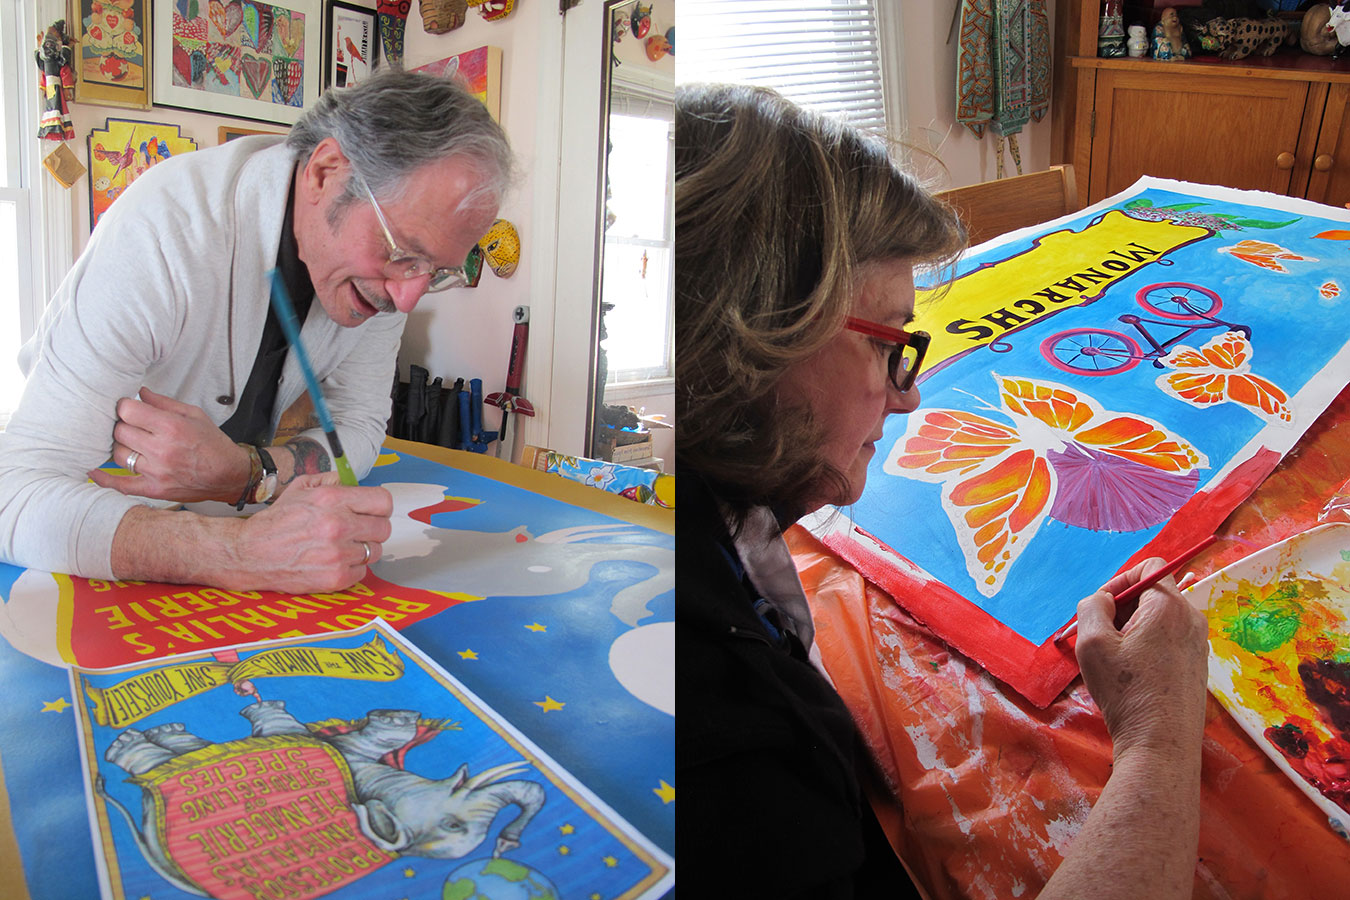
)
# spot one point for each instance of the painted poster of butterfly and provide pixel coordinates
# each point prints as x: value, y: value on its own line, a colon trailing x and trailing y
x: 244, y: 58
x: 1220, y: 372
x: 1265, y: 254
x: 1063, y: 456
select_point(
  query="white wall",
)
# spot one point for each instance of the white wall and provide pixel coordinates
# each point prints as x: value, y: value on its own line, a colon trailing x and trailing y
x: 930, y: 100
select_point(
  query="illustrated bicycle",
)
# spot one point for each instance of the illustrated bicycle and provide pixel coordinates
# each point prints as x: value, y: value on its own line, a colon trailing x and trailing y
x: 1188, y: 308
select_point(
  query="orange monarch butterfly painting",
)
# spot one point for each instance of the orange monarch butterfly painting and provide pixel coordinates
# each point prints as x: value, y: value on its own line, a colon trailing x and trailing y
x: 1220, y: 372
x: 1063, y: 455
x: 1106, y: 388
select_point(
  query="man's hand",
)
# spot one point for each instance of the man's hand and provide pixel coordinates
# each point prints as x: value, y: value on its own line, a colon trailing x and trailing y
x: 314, y: 538
x: 180, y: 453
x: 1148, y: 677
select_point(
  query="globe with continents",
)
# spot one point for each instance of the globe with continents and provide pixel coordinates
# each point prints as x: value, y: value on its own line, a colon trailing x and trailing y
x: 497, y: 879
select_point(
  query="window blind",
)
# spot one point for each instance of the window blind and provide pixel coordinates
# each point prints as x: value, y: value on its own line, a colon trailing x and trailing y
x: 823, y: 54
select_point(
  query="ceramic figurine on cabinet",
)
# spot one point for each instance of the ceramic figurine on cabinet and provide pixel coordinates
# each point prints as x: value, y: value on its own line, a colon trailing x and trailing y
x: 1316, y: 36
x: 1137, y: 43
x: 1111, y: 31
x: 1176, y: 39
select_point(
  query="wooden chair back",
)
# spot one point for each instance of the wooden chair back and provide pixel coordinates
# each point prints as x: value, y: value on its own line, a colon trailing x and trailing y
x: 992, y: 208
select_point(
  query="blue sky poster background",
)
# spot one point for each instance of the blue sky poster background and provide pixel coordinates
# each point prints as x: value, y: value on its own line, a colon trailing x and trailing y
x: 619, y: 747
x: 1295, y: 332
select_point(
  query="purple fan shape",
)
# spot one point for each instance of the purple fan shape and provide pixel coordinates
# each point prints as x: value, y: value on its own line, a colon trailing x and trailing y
x: 1106, y: 493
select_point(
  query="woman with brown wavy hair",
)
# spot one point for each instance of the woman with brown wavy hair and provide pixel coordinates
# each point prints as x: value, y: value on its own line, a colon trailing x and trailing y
x: 796, y: 243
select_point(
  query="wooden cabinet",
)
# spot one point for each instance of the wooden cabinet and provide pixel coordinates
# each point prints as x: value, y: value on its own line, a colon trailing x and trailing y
x: 1279, y: 124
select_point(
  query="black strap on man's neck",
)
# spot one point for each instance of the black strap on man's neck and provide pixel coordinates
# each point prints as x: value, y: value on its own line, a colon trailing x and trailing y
x: 252, y: 421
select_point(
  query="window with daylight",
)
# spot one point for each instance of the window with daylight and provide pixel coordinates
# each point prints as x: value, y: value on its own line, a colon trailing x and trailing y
x: 16, y: 270
x: 823, y: 54
x: 639, y: 278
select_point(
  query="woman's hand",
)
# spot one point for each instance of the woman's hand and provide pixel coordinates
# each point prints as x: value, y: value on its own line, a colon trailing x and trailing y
x: 1148, y: 677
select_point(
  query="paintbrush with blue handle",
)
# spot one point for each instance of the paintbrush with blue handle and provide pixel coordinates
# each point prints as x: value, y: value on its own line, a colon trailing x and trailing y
x: 281, y: 302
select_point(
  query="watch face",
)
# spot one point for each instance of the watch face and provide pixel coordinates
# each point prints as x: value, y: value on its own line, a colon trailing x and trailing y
x: 267, y: 488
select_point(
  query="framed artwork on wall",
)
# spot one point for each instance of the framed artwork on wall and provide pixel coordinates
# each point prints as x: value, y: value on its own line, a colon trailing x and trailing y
x: 480, y: 70
x: 229, y: 132
x: 111, y: 55
x: 350, y: 44
x: 121, y: 151
x: 243, y: 58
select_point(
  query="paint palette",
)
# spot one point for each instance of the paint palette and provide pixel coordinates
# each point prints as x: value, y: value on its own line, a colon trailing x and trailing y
x: 1279, y: 660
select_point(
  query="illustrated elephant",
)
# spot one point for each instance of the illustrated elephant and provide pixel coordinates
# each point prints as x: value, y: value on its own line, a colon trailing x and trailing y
x: 399, y: 811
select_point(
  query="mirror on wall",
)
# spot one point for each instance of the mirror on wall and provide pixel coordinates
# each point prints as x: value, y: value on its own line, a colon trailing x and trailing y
x: 635, y: 356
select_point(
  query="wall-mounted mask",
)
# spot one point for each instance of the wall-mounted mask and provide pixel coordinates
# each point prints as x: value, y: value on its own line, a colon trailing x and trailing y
x: 494, y: 10
x: 440, y: 16
x: 501, y: 248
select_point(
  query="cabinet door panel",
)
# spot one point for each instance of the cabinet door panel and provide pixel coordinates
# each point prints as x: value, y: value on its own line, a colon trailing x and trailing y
x: 1208, y: 129
x: 1329, y: 181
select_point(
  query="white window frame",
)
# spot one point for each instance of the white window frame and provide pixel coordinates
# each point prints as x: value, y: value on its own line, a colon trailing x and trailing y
x: 635, y: 88
x: 45, y: 251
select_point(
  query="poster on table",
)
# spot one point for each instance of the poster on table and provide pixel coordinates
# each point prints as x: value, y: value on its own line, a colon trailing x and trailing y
x: 550, y: 602
x: 349, y: 766
x: 1099, y: 389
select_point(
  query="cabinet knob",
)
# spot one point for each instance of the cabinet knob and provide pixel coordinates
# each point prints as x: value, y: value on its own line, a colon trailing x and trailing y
x: 1323, y: 163
x: 1285, y: 160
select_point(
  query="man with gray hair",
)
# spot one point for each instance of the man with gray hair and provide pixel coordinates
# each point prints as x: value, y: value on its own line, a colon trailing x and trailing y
x: 160, y: 349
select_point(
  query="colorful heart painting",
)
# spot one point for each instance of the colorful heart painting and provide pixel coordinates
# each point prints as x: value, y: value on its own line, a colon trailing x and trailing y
x: 258, y: 19
x: 257, y: 73
x: 287, y: 78
x: 227, y: 17
x: 244, y: 52
x: 290, y: 31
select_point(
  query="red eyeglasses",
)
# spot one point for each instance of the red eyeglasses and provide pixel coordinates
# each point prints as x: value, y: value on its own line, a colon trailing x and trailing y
x: 907, y: 354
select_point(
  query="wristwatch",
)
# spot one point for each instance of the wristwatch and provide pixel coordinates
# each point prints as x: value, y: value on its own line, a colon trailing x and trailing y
x: 255, y: 474
x: 267, y: 485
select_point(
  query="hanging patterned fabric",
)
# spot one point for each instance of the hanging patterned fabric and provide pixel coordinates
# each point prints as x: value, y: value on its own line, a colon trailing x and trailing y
x: 1003, y: 69
x: 393, y: 15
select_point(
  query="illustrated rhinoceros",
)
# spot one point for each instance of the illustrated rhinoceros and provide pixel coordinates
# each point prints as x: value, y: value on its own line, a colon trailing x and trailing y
x: 401, y: 812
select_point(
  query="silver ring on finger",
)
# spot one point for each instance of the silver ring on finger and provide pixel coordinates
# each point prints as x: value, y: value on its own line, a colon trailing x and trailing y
x: 132, y: 458
x: 367, y: 559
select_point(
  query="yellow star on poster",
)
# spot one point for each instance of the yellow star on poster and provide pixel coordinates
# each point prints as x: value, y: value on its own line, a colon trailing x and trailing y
x: 564, y: 849
x: 595, y: 897
x: 468, y: 654
x: 537, y: 627
x: 665, y: 792
x: 58, y: 705
x: 409, y: 872
x: 611, y: 861
x: 548, y: 704
x: 566, y: 829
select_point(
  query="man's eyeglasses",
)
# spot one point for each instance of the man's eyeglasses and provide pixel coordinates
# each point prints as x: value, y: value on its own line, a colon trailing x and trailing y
x: 405, y: 266
x: 906, y: 356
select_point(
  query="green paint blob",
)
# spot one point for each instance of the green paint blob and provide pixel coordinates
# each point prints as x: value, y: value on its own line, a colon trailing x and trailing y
x: 1260, y: 631
x: 1266, y: 625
